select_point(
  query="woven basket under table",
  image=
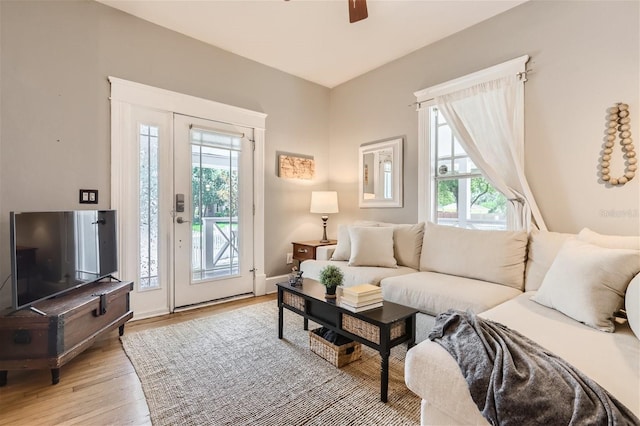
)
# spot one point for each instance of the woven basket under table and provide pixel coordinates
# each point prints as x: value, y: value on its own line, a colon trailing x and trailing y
x: 336, y: 355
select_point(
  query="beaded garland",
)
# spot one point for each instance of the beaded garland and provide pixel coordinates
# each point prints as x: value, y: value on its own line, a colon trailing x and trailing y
x: 618, y: 120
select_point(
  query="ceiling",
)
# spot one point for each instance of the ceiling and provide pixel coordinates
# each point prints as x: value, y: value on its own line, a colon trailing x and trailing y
x: 313, y: 39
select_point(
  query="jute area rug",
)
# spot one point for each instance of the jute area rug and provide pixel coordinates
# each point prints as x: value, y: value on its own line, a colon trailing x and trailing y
x: 231, y: 369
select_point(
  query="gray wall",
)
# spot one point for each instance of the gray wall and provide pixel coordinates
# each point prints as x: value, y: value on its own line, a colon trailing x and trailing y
x: 54, y: 109
x: 55, y: 134
x: 584, y: 59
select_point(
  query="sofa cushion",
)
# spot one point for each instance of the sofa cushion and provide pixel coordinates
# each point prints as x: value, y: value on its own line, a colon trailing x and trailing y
x: 543, y: 248
x: 353, y: 275
x: 494, y: 256
x: 407, y: 244
x: 609, y: 241
x: 610, y: 359
x: 325, y: 252
x: 433, y: 293
x: 372, y: 246
x: 632, y: 305
x: 588, y: 282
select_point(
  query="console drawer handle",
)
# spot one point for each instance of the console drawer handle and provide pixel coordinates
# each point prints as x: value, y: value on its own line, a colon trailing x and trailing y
x: 302, y: 250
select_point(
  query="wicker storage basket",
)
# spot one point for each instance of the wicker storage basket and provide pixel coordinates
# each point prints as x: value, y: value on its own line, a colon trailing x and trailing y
x: 293, y: 300
x: 371, y: 332
x: 336, y: 355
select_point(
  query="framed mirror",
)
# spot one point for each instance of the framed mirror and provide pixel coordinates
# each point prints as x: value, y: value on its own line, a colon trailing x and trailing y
x: 380, y: 174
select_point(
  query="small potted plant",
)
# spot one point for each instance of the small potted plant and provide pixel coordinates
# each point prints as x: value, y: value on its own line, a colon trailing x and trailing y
x: 331, y: 277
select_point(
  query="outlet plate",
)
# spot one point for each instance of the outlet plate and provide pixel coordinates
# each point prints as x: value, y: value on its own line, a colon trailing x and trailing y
x: 289, y: 258
x: 88, y: 196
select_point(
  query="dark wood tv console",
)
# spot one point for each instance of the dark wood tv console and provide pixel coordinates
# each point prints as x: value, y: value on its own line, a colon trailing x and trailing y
x: 70, y: 324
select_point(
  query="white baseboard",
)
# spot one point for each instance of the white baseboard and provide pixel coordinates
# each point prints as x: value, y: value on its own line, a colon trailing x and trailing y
x: 149, y: 314
x: 213, y: 302
x: 270, y: 283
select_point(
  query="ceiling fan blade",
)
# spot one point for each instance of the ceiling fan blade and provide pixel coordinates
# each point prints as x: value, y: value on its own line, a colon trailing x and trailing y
x: 357, y: 10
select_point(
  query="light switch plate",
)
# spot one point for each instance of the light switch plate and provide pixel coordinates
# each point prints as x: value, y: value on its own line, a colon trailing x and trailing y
x: 88, y: 196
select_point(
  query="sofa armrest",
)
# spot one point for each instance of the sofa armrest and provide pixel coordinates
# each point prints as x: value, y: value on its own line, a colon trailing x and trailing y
x: 432, y: 374
x: 325, y: 252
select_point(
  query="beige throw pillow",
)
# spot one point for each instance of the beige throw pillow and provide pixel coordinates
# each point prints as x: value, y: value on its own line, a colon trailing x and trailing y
x: 407, y: 244
x: 343, y: 248
x: 609, y: 241
x: 542, y: 251
x: 587, y: 282
x: 371, y: 246
x: 494, y: 256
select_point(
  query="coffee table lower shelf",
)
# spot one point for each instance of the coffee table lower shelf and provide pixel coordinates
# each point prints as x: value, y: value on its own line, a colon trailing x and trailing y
x: 381, y: 328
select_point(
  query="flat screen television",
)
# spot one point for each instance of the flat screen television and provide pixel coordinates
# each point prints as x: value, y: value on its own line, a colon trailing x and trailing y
x: 54, y: 252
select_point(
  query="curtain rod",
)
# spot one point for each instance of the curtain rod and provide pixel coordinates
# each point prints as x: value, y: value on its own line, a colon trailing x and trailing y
x: 522, y: 76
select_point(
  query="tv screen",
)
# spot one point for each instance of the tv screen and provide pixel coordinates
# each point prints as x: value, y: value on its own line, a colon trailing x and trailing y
x: 54, y: 252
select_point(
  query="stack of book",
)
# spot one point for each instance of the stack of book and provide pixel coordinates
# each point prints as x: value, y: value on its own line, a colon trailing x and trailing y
x: 361, y: 297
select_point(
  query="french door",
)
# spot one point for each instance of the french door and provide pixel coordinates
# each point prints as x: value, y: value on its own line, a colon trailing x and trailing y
x: 213, y: 210
x: 189, y: 197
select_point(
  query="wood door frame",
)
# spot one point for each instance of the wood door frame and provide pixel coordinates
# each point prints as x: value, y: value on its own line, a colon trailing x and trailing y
x: 124, y: 93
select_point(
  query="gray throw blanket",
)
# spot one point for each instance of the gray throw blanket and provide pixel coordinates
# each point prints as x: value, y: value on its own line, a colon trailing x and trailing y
x: 514, y: 381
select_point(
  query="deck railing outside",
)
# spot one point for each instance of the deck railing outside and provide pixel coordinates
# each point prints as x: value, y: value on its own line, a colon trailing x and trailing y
x: 215, y: 248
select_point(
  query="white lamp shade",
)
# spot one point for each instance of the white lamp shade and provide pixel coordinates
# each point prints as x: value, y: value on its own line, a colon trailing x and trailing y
x: 324, y: 202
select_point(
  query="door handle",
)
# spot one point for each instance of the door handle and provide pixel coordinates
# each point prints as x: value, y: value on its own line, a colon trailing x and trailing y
x: 179, y: 219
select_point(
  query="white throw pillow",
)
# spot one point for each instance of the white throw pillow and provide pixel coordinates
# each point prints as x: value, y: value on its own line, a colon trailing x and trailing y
x: 494, y: 256
x: 343, y: 248
x: 587, y: 282
x: 543, y: 248
x: 609, y: 241
x: 407, y: 244
x: 372, y: 246
x: 632, y: 305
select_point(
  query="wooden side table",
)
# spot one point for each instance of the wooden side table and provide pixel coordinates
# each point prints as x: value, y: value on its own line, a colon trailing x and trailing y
x: 305, y: 250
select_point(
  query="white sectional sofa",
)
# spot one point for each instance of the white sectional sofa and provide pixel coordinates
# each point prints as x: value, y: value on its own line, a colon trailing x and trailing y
x: 431, y: 268
x: 499, y: 275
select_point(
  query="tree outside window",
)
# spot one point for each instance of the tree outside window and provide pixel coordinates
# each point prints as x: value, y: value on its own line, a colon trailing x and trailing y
x: 217, y: 187
x: 464, y: 197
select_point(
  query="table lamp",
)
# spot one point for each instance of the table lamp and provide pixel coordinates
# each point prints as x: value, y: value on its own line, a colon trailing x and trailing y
x: 324, y: 202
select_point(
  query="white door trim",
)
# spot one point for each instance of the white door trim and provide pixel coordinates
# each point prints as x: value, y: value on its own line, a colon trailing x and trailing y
x: 128, y: 92
x: 166, y: 100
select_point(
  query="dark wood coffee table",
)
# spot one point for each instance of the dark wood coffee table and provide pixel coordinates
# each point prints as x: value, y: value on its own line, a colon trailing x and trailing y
x: 380, y: 328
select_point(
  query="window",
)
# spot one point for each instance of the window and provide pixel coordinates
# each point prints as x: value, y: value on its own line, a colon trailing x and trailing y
x: 486, y: 110
x: 462, y: 196
x: 149, y: 214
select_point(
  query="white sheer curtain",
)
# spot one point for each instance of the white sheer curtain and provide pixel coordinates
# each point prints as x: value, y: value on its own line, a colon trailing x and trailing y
x: 488, y: 120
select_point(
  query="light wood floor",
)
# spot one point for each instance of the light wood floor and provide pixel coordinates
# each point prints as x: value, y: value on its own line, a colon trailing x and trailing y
x: 98, y: 387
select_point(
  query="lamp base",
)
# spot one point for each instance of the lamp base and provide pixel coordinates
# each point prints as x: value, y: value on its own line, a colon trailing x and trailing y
x: 324, y: 229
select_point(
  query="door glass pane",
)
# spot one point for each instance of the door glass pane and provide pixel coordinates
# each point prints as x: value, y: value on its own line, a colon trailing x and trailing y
x: 149, y: 224
x: 214, y: 188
